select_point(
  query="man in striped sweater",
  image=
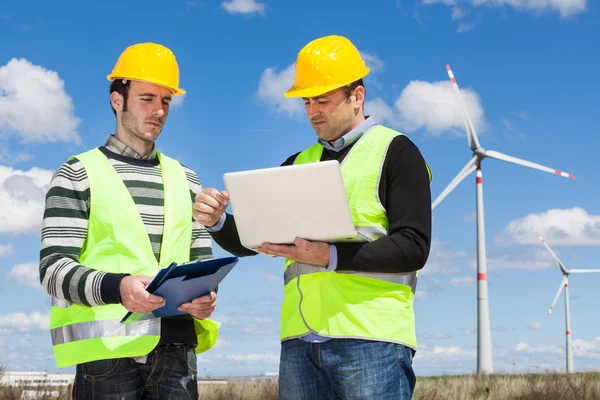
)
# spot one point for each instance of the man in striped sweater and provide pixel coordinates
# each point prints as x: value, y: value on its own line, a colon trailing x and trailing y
x: 163, y: 362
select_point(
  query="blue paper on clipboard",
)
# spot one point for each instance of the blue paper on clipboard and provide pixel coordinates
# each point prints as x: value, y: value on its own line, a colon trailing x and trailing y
x: 179, y: 284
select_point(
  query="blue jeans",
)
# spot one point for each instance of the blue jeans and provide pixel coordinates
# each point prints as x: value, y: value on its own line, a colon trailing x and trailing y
x: 169, y: 373
x: 345, y: 369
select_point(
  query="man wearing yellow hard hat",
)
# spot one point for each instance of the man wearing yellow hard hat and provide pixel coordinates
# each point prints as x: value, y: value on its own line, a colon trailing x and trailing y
x: 115, y: 215
x: 347, y: 319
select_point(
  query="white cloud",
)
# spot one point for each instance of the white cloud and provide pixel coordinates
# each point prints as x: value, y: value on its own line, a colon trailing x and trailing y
x: 506, y: 123
x: 372, y: 61
x: 380, y: 111
x: 227, y: 319
x: 22, y: 195
x: 443, y: 353
x: 177, y: 102
x: 253, y: 357
x: 458, y: 13
x: 272, y: 278
x: 24, y: 323
x: 34, y: 104
x: 463, y: 281
x: 534, y: 325
x: 559, y: 227
x: 444, y: 260
x: 271, y: 89
x: 9, y: 156
x: 422, y: 295
x: 26, y: 274
x: 566, y: 8
x: 470, y: 217
x: 223, y: 344
x: 529, y: 259
x: 464, y: 27
x: 433, y: 106
x: 586, y: 349
x: 6, y: 250
x: 526, y: 348
x: 450, y: 351
x: 244, y: 7
x: 523, y: 115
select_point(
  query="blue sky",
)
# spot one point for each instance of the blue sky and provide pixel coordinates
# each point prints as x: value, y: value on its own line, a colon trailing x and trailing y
x: 528, y: 74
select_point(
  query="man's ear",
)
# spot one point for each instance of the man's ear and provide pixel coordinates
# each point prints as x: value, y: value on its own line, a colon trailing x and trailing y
x: 359, y: 97
x: 117, y: 100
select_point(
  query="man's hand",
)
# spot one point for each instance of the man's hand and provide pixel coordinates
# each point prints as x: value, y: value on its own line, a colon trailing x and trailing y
x: 302, y: 250
x: 209, y: 206
x: 134, y: 296
x: 200, y: 307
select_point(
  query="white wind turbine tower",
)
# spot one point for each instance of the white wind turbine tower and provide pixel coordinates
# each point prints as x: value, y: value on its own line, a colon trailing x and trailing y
x: 484, y: 337
x: 565, y: 284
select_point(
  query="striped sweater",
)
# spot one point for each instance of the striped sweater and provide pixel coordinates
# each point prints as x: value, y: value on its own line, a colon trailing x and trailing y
x: 66, y: 216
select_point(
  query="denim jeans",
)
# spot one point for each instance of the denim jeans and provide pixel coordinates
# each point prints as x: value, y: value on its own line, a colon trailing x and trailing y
x: 345, y: 369
x: 169, y: 373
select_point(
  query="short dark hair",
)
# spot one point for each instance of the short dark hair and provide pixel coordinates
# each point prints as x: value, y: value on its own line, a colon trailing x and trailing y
x: 349, y: 88
x: 123, y: 89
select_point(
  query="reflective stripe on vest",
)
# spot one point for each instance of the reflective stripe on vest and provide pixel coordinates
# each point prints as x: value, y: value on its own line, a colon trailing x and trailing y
x: 296, y: 269
x: 117, y: 242
x: 102, y: 329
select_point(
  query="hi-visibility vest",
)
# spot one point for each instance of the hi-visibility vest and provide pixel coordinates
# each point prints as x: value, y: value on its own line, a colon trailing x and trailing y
x: 352, y: 304
x: 117, y: 242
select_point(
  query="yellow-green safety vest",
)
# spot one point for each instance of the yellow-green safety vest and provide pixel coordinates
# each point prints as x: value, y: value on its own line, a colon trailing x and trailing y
x: 117, y: 242
x: 352, y: 304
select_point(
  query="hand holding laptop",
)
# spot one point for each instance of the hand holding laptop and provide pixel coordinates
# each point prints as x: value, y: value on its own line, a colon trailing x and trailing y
x: 305, y: 251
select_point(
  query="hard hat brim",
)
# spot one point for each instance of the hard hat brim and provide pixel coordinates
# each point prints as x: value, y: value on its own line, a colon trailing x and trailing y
x: 174, y: 91
x: 315, y: 91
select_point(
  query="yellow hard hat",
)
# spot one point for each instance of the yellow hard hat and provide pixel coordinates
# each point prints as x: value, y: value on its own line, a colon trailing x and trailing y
x: 148, y: 62
x: 326, y: 64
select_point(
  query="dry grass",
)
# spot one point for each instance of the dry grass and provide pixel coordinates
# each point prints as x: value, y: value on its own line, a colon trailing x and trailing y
x: 16, y: 393
x: 465, y: 387
x: 510, y: 387
x: 246, y: 390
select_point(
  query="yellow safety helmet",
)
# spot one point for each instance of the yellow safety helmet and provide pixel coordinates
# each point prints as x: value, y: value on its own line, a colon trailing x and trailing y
x: 148, y: 62
x: 326, y: 64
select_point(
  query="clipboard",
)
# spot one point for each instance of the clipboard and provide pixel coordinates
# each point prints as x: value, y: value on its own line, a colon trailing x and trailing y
x: 179, y: 284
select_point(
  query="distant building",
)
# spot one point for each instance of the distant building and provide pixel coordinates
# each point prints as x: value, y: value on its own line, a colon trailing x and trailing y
x: 10, y: 378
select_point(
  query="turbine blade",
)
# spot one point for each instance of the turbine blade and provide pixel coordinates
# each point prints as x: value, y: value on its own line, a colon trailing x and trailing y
x: 525, y: 163
x: 563, y: 283
x: 470, y: 167
x: 583, y: 271
x: 554, y: 256
x: 471, y: 135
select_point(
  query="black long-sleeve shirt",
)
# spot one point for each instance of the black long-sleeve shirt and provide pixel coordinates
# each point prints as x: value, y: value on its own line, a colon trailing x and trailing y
x: 404, y: 193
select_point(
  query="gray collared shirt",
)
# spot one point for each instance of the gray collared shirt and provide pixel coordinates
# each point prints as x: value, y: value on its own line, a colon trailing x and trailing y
x: 116, y: 146
x: 351, y: 136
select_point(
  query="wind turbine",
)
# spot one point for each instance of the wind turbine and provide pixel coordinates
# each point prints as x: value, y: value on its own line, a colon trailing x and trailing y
x: 565, y: 284
x: 484, y: 337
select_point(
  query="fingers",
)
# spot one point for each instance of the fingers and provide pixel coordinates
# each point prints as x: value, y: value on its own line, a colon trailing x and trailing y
x: 302, y: 243
x: 213, y: 198
x: 201, y: 307
x: 144, y: 279
x: 209, y: 206
x: 280, y: 250
x: 134, y: 296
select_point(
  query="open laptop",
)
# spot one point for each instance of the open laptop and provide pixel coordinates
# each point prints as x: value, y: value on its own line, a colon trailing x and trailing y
x: 276, y: 205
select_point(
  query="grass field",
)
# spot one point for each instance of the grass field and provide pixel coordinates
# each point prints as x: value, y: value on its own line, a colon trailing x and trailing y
x: 464, y: 387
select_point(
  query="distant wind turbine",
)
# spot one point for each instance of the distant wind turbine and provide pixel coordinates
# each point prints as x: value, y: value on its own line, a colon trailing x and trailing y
x: 484, y: 337
x: 565, y: 284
